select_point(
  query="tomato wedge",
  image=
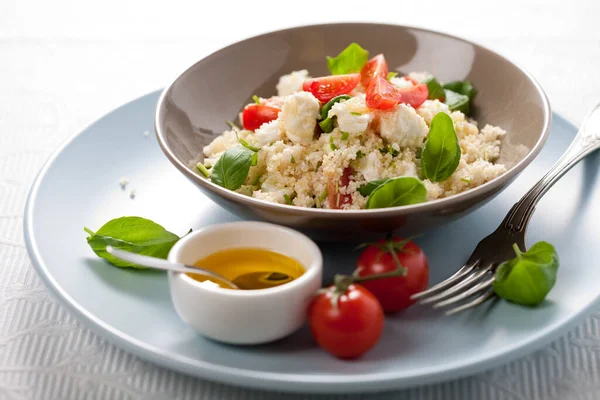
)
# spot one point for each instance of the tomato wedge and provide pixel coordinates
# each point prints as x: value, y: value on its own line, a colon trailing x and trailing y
x: 327, y: 87
x: 336, y: 199
x: 255, y: 115
x: 376, y: 66
x: 383, y: 95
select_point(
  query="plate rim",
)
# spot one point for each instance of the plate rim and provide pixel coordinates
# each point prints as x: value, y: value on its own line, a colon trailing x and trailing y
x: 288, y: 382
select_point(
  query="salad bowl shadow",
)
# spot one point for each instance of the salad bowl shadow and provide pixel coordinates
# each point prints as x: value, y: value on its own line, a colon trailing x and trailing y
x: 193, y: 109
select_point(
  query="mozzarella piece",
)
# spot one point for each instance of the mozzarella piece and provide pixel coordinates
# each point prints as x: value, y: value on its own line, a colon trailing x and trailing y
x: 370, y: 166
x: 353, y: 115
x: 291, y: 83
x: 403, y: 125
x: 299, y: 116
x: 268, y: 133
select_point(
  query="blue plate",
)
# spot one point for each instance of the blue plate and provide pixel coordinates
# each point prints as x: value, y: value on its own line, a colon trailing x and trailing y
x: 79, y: 187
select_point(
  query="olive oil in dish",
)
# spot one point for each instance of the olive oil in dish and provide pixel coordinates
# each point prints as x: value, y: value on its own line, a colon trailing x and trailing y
x: 250, y: 268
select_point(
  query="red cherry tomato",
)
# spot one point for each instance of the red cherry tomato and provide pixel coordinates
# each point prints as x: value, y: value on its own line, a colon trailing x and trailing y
x: 328, y: 87
x: 377, y: 66
x: 394, y: 292
x: 337, y: 199
x: 383, y: 95
x: 254, y: 115
x: 347, y: 325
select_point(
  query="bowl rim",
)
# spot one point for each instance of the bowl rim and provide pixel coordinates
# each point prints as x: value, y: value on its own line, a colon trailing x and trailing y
x: 424, y: 207
x: 312, y: 271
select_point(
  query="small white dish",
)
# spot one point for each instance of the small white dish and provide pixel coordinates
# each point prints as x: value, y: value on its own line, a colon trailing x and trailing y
x: 245, y: 316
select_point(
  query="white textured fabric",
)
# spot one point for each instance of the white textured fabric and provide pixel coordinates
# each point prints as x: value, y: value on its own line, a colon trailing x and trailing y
x: 64, y: 63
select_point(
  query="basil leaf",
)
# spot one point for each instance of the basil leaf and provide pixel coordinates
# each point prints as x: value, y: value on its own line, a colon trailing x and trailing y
x: 458, y: 102
x: 462, y: 87
x: 326, y: 125
x: 368, y: 187
x: 436, y: 91
x: 135, y: 234
x: 350, y: 60
x: 325, y: 109
x: 396, y: 192
x: 231, y: 170
x: 529, y: 277
x: 441, y: 153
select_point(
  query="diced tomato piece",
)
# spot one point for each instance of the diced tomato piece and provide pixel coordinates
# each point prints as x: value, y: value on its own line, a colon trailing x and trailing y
x: 377, y: 66
x: 383, y: 95
x: 328, y: 87
x: 255, y: 115
x: 337, y: 199
x: 415, y: 96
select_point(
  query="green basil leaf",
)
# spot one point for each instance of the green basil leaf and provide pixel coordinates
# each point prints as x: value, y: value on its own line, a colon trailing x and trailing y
x: 396, y: 192
x: 231, y: 170
x: 529, y: 277
x: 134, y: 234
x: 462, y: 87
x: 368, y: 187
x: 458, y: 102
x: 441, y: 153
x: 326, y: 125
x: 350, y: 60
x: 325, y: 109
x: 436, y: 91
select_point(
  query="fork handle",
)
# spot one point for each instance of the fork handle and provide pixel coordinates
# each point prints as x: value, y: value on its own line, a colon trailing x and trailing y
x: 586, y: 141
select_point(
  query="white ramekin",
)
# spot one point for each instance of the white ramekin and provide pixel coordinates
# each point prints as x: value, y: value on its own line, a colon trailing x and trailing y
x: 245, y: 316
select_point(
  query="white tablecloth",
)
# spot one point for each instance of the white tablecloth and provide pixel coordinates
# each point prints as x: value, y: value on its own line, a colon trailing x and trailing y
x: 64, y: 63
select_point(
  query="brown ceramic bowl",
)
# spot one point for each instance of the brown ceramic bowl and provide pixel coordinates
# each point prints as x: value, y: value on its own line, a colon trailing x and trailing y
x: 194, y: 108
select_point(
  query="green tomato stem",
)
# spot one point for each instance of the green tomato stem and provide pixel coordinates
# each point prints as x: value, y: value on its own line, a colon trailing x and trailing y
x: 518, y: 251
x: 89, y: 231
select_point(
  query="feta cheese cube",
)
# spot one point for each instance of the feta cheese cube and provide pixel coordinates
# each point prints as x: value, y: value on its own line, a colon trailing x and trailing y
x: 291, y: 83
x: 299, y: 117
x: 403, y: 125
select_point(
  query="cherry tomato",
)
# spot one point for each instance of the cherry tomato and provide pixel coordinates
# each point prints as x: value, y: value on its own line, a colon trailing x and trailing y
x: 347, y: 325
x: 376, y: 66
x: 254, y: 115
x: 328, y: 87
x: 394, y: 292
x: 383, y: 95
x: 336, y: 199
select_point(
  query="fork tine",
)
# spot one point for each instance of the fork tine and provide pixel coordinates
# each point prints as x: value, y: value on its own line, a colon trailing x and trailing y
x: 484, y: 297
x: 468, y: 281
x: 465, y: 269
x: 468, y: 293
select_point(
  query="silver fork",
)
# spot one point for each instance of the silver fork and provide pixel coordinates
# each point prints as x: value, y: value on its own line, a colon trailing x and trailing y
x: 472, y: 284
